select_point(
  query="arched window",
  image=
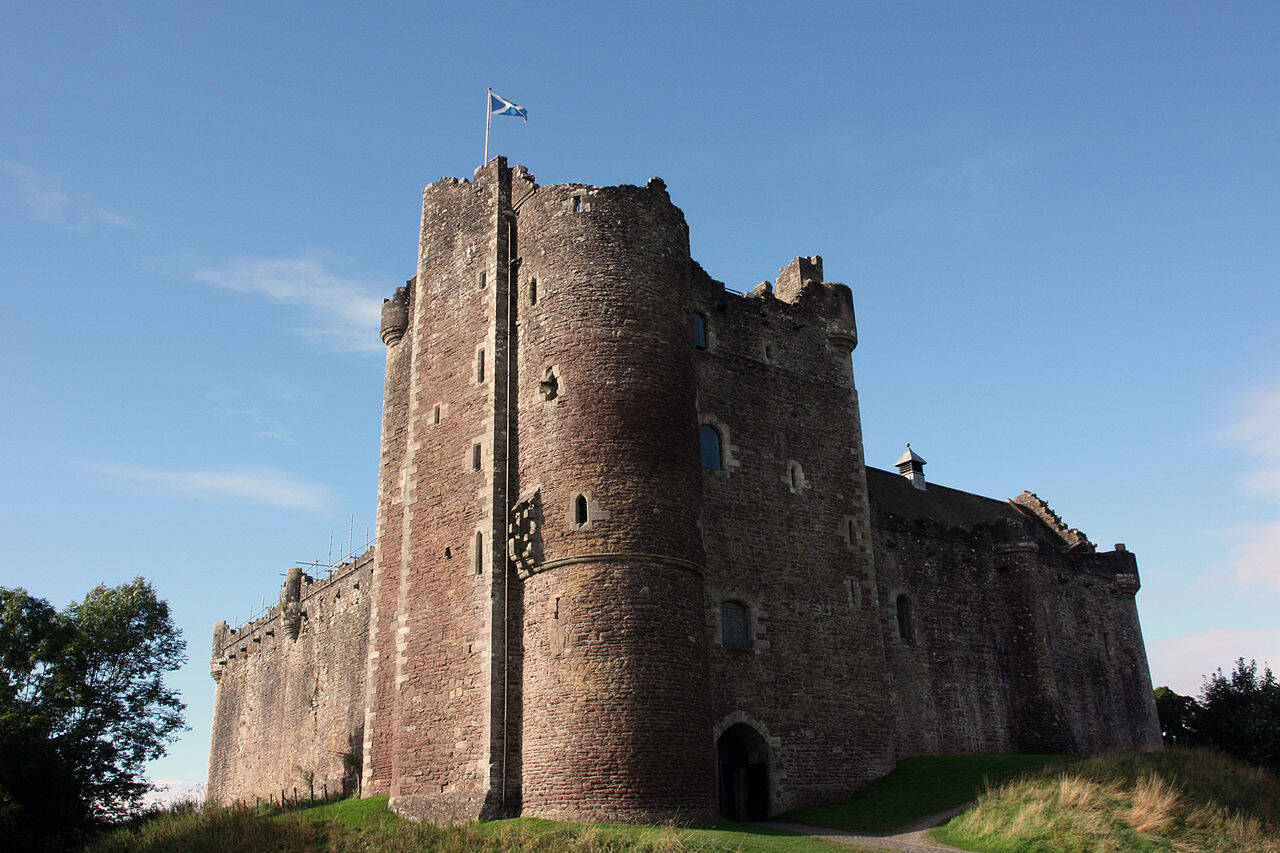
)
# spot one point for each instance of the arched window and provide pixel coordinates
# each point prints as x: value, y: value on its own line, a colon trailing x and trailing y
x: 580, y: 510
x: 699, y: 331
x: 735, y: 626
x: 795, y: 476
x: 905, y: 629
x: 712, y: 453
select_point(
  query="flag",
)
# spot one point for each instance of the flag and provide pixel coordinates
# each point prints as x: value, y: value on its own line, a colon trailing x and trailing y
x: 500, y: 106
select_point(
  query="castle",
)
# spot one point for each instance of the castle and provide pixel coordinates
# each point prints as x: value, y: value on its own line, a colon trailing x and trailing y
x: 630, y: 564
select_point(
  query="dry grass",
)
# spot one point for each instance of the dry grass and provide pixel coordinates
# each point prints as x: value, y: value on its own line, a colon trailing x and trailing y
x: 1177, y: 800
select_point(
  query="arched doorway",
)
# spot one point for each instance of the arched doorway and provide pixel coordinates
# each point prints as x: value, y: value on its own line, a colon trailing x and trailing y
x: 744, y: 774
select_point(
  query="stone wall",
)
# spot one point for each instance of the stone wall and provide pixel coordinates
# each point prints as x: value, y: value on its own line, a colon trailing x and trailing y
x: 289, y: 704
x: 1021, y: 639
x: 787, y: 534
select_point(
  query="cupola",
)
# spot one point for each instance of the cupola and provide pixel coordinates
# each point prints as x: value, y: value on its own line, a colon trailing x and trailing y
x: 911, y: 466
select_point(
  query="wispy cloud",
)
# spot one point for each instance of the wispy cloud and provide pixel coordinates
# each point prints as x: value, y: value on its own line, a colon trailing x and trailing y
x: 47, y: 202
x: 1255, y: 435
x: 269, y: 486
x: 333, y: 304
x: 1181, y: 662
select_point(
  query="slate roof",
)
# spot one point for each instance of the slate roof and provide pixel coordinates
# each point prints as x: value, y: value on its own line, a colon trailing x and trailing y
x: 893, y: 493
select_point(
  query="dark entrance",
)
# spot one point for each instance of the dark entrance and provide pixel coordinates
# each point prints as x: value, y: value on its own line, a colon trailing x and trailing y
x: 744, y: 774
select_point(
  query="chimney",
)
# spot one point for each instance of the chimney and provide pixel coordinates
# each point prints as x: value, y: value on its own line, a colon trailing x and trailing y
x: 911, y: 466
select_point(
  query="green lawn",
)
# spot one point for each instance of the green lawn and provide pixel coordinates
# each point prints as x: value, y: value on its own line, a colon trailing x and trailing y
x: 920, y: 787
x: 371, y: 825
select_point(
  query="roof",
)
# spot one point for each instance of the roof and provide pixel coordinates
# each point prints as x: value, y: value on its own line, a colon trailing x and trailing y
x: 909, y: 455
x: 892, y: 493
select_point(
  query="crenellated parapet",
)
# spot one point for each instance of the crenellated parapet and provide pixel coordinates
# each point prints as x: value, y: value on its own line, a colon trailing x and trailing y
x: 1036, y: 505
x: 395, y: 314
x: 285, y: 619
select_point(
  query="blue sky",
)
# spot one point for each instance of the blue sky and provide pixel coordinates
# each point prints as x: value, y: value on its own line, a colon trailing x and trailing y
x: 1060, y: 226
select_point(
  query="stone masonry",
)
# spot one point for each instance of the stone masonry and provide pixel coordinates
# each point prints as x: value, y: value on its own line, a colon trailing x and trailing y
x: 630, y: 564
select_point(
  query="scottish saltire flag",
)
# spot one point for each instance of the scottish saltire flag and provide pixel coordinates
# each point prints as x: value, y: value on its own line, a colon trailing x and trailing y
x: 500, y: 106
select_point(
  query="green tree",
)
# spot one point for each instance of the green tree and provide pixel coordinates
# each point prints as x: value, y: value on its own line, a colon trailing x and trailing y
x: 1174, y: 711
x: 83, y: 707
x: 1240, y: 715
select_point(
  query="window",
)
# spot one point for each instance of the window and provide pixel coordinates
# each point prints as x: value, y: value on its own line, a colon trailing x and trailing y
x: 484, y: 279
x: 580, y: 510
x: 712, y: 455
x: 795, y: 476
x: 435, y: 415
x: 479, y: 559
x: 475, y: 457
x: 480, y: 365
x: 904, y: 619
x: 699, y: 331
x: 577, y: 204
x: 735, y: 622
x: 533, y: 291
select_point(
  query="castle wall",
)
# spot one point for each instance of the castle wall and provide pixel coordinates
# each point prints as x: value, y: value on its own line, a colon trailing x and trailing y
x: 436, y: 595
x: 290, y: 697
x: 399, y: 334
x: 796, y: 553
x: 614, y: 683
x: 1015, y: 645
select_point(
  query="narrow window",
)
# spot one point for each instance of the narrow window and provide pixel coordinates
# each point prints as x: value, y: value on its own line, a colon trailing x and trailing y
x: 853, y: 536
x: 435, y: 415
x: 479, y: 552
x: 533, y: 291
x: 699, y: 331
x: 580, y: 510
x: 475, y: 457
x: 904, y: 618
x: 484, y: 279
x: 795, y: 477
x: 1106, y: 643
x: 577, y: 204
x: 768, y: 353
x: 712, y: 455
x: 734, y: 625
x: 480, y: 365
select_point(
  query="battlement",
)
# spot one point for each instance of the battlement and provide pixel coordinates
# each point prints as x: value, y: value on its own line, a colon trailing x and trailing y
x: 284, y: 619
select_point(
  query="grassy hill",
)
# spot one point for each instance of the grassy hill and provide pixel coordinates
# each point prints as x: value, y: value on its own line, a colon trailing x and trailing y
x: 1176, y: 800
x: 368, y: 825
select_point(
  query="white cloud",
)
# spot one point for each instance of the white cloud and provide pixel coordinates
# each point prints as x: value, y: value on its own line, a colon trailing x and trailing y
x: 1255, y: 435
x: 47, y: 202
x: 268, y: 486
x: 170, y: 791
x: 1182, y: 662
x: 341, y: 309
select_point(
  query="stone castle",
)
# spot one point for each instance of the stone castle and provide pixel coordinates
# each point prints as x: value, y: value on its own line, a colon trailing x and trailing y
x: 630, y: 564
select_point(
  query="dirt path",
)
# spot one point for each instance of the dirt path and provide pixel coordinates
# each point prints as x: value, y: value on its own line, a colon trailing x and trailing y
x: 910, y: 840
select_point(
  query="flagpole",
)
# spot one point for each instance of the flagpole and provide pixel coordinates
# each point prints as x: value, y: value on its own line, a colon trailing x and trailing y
x: 488, y: 115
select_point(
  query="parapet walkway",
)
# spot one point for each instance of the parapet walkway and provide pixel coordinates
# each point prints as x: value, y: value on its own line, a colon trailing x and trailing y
x: 910, y: 840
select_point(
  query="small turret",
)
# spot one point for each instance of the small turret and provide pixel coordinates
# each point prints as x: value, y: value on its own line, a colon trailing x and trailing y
x: 395, y: 315
x: 911, y: 466
x: 290, y: 602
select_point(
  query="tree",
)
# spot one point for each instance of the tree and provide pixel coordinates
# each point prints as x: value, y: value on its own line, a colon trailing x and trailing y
x: 1174, y: 712
x: 83, y: 707
x: 1240, y: 715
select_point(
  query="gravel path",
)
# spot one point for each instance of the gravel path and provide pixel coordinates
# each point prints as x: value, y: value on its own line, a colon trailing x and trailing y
x: 910, y: 840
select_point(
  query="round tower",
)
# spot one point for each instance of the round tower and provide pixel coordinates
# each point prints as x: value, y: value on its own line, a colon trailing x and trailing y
x: 616, y: 722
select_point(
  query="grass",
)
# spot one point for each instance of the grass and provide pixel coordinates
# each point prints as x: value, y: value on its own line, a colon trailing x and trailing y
x: 368, y: 825
x: 921, y: 787
x: 1176, y: 800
